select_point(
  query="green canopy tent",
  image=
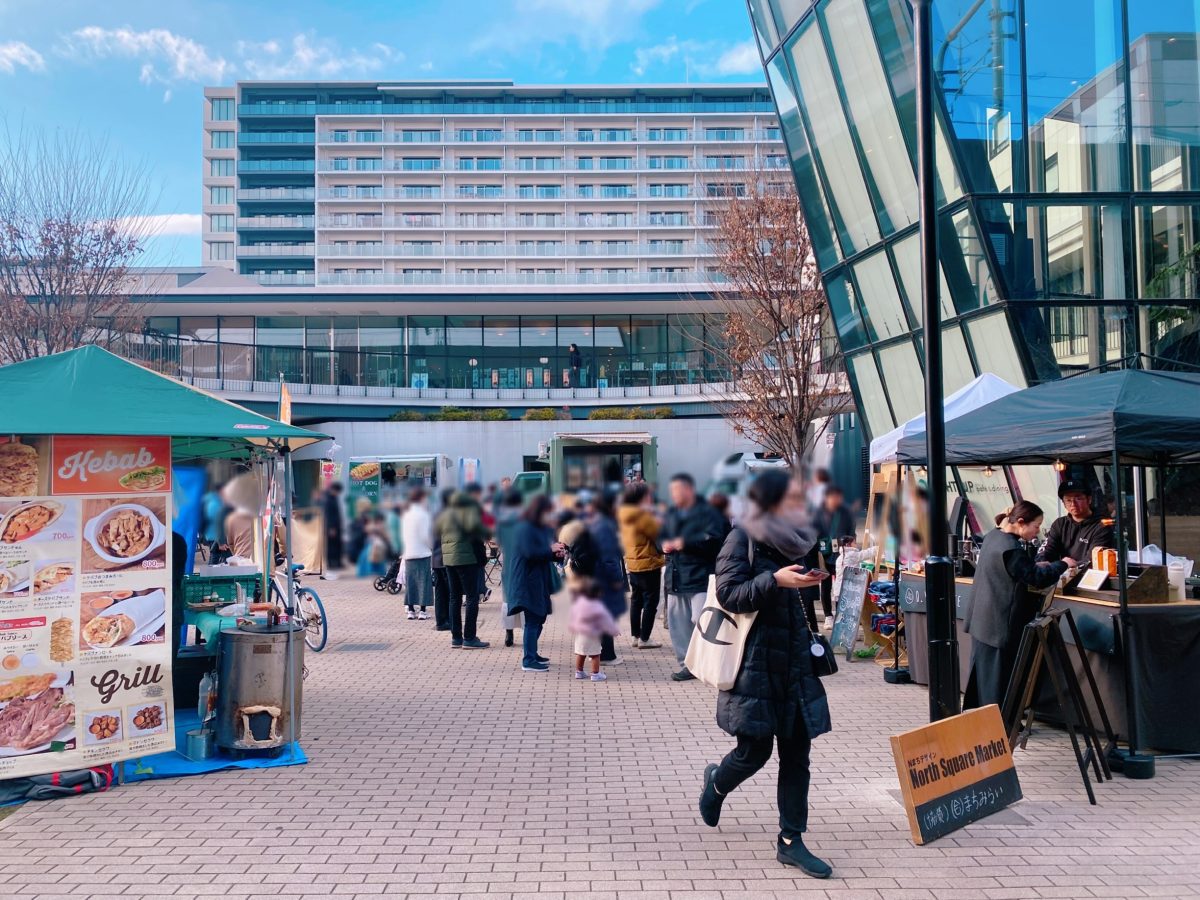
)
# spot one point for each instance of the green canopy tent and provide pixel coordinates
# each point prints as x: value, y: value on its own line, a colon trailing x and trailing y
x: 92, y: 391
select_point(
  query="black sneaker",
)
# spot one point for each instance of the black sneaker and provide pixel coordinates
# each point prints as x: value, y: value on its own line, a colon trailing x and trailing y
x: 710, y: 800
x: 796, y: 854
x: 443, y: 628
x: 508, y: 638
x: 534, y: 667
x: 543, y: 659
x: 456, y: 645
x: 683, y: 675
x: 475, y: 644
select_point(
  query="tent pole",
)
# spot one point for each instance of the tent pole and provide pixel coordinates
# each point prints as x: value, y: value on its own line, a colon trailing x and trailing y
x: 1141, y: 525
x: 944, y: 698
x: 1135, y: 765
x: 1162, y: 509
x: 290, y: 605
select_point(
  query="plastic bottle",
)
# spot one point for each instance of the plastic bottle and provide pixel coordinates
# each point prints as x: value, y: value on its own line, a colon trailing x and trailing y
x: 206, y: 686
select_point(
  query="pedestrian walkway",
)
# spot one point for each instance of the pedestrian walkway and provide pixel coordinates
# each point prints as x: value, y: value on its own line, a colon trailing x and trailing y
x: 452, y: 773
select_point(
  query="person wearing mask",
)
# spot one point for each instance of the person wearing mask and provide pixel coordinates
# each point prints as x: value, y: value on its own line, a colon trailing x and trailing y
x: 596, y: 554
x: 463, y: 535
x: 416, y: 535
x: 441, y: 578
x: 643, y: 560
x: 1080, y: 531
x: 1002, y: 603
x: 834, y: 521
x: 776, y: 699
x: 530, y: 582
x: 332, y: 507
x: 357, y: 536
x: 691, y: 537
x: 508, y: 517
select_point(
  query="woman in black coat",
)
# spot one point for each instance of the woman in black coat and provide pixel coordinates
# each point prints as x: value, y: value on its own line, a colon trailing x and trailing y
x: 776, y: 699
x: 1002, y: 603
x: 529, y: 580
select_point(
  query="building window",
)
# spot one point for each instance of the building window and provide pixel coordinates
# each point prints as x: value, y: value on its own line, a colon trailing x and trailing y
x: 341, y: 136
x: 340, y: 164
x: 668, y: 162
x: 222, y: 111
x: 219, y: 196
x: 221, y: 222
x: 585, y: 191
x: 471, y: 135
x: 585, y: 134
x: 368, y: 137
x: 724, y: 134
x: 724, y: 162
x: 616, y: 162
x: 771, y: 134
x: 221, y: 140
x: 585, y: 162
x: 220, y: 168
x: 539, y: 134
x: 368, y: 164
x: 220, y: 250
x: 616, y: 134
x: 420, y: 136
x: 668, y: 190
x: 420, y: 164
x: 617, y: 191
x: 667, y: 134
x: 724, y: 190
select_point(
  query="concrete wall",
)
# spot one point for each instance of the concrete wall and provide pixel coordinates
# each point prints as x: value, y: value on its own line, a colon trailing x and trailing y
x: 684, y: 445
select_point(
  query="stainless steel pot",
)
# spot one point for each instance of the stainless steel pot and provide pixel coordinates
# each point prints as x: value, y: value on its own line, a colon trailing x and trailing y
x: 256, y: 677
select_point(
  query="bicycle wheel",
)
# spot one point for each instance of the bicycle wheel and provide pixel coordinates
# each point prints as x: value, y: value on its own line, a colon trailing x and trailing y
x: 381, y: 584
x: 316, y: 623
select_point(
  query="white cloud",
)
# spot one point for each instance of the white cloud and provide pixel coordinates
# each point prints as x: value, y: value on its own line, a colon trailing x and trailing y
x: 166, y: 57
x: 594, y: 25
x: 267, y: 60
x: 16, y: 53
x: 167, y: 224
x: 740, y: 59
x: 700, y: 59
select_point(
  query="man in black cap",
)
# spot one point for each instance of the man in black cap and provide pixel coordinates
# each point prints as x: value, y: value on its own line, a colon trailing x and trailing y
x: 1074, y: 535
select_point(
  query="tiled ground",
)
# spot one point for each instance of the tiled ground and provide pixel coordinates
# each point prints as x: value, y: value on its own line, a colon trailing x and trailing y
x: 447, y: 773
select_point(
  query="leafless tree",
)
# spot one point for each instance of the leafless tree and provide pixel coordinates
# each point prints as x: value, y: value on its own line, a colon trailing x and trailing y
x: 775, y: 336
x: 73, y: 219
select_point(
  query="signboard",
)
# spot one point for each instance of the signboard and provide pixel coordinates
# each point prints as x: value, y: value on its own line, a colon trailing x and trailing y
x: 285, y: 403
x: 85, y: 622
x: 853, y: 592
x: 364, y: 481
x: 955, y: 772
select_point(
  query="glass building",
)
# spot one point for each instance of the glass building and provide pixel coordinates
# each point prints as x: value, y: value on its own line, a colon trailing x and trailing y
x: 1068, y: 178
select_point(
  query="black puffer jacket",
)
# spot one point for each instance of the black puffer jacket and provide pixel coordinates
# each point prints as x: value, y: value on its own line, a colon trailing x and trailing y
x: 776, y: 682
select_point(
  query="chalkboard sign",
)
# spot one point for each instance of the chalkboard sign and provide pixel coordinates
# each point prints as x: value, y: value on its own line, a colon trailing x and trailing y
x: 954, y: 772
x: 849, y: 607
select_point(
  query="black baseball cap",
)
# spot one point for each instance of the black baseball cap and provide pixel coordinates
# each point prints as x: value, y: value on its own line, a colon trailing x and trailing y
x: 1073, y: 486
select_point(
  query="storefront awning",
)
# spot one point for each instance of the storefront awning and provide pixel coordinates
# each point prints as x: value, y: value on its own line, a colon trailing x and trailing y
x: 610, y: 437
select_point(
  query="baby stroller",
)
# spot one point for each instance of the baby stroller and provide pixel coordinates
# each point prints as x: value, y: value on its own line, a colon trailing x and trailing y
x: 393, y: 580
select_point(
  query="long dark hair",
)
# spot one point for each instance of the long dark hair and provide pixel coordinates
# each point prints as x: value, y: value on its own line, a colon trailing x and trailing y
x: 634, y: 494
x: 768, y: 488
x: 538, y: 506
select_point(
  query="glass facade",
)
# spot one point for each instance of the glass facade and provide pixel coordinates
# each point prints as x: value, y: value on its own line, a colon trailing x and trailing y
x: 1068, y: 179
x: 455, y: 351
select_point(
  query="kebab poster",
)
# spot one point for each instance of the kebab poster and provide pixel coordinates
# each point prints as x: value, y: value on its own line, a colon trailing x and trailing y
x: 85, y: 617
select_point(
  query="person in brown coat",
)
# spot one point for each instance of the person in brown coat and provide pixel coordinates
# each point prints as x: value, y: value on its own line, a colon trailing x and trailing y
x: 643, y: 560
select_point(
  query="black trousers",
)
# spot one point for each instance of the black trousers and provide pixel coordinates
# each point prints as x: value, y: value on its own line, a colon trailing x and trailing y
x: 827, y: 587
x: 608, y: 648
x: 751, y: 754
x: 441, y: 598
x: 464, y: 601
x: 645, y: 588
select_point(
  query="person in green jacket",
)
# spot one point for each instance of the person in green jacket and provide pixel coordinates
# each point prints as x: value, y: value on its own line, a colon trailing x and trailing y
x: 463, y: 537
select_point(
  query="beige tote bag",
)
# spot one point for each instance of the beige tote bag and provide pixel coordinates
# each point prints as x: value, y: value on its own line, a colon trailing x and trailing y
x: 718, y: 641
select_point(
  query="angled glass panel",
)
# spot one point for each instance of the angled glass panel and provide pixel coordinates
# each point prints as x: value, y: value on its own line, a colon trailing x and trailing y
x: 872, y: 398
x: 908, y: 263
x: 904, y: 379
x: 1164, y: 82
x: 1168, y: 251
x: 764, y: 25
x: 956, y: 362
x: 853, y: 210
x: 995, y: 347
x: 977, y: 63
x: 881, y: 301
x: 964, y: 263
x: 847, y: 316
x: 789, y: 12
x: 871, y: 112
x: 1076, y: 96
x: 812, y: 194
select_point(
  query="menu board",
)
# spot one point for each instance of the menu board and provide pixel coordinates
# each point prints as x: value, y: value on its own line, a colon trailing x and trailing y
x: 85, y: 612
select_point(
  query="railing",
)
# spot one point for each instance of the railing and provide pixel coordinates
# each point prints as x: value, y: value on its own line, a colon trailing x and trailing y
x: 275, y: 222
x: 511, y: 137
x: 276, y: 137
x: 386, y: 279
x: 506, y: 250
x: 305, y: 249
x: 682, y: 220
x: 436, y: 193
x: 277, y: 193
x: 288, y: 279
x: 502, y: 108
x: 276, y: 165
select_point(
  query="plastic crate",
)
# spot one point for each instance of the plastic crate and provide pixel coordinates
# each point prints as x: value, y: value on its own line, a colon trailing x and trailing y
x: 203, y: 589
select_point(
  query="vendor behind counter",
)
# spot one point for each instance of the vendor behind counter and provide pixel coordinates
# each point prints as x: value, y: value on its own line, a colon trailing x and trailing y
x: 1080, y: 531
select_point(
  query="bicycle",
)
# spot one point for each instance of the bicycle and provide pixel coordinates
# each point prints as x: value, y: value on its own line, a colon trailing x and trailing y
x: 307, y: 607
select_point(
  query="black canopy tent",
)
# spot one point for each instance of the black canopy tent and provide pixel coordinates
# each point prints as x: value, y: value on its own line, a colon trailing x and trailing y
x: 1128, y: 417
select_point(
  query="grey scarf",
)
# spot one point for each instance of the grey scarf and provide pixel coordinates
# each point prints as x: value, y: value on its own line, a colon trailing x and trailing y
x: 786, y: 533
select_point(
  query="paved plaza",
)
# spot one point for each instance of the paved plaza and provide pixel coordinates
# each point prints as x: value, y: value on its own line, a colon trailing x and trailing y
x: 451, y: 773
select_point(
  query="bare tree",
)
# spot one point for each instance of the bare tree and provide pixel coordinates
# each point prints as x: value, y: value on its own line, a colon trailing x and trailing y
x: 775, y: 337
x: 73, y: 219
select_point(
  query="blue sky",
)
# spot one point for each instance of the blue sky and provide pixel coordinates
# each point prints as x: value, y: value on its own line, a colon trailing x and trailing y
x: 133, y: 72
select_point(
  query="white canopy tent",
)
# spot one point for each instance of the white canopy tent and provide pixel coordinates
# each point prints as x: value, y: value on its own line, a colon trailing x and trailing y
x: 980, y: 392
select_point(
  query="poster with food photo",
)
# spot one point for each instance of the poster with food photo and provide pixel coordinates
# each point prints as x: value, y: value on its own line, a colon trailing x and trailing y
x: 120, y: 535
x: 85, y: 659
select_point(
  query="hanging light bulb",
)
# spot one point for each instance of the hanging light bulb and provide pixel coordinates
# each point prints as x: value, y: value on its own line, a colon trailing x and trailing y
x: 1060, y: 466
x: 988, y: 471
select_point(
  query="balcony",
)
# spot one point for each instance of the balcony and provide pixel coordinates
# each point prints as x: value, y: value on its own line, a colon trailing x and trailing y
x: 258, y: 250
x: 511, y: 279
x: 285, y: 279
x: 277, y: 193
x: 272, y: 222
x: 669, y: 220
x: 275, y: 138
x: 512, y: 137
x: 252, y: 166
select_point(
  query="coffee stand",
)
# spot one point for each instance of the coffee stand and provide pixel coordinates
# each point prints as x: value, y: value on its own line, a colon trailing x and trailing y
x: 91, y: 395
x: 1143, y: 646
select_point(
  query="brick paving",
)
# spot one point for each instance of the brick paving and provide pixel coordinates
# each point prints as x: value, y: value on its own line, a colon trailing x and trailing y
x: 439, y: 773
